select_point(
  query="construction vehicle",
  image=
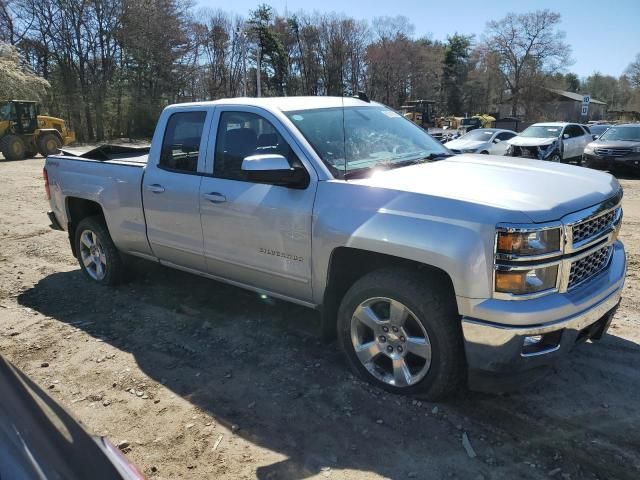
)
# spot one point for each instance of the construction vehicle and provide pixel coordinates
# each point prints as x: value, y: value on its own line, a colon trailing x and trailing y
x: 476, y: 121
x: 23, y: 132
x: 421, y: 112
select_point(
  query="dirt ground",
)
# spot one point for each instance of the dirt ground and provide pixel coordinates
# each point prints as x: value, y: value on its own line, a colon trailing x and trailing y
x: 205, y: 380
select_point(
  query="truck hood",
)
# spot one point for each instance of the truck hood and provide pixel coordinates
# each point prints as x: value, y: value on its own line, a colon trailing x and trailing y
x: 531, y: 141
x: 543, y: 191
x: 462, y: 144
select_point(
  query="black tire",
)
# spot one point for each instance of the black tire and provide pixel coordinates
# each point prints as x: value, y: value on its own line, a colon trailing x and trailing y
x: 555, y: 157
x: 13, y: 147
x: 49, y: 144
x: 484, y: 152
x: 432, y: 304
x: 114, y: 268
x: 30, y: 154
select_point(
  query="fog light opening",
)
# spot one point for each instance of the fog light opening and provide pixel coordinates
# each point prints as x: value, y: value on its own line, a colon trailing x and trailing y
x: 541, y: 344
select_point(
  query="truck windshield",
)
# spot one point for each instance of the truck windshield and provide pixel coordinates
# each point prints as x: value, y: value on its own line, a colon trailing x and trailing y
x: 541, y: 131
x: 361, y: 138
x: 631, y: 134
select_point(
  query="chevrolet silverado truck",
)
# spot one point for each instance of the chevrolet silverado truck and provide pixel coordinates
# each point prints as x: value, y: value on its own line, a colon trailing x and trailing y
x: 432, y: 270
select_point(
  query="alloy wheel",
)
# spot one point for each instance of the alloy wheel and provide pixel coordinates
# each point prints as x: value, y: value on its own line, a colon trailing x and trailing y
x: 390, y: 342
x: 92, y: 255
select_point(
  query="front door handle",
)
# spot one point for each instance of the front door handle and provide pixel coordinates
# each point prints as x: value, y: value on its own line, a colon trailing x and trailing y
x: 155, y: 188
x: 215, y: 197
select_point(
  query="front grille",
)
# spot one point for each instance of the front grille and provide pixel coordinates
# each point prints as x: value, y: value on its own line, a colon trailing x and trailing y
x: 590, y: 228
x: 526, y: 152
x: 585, y: 268
x: 611, y: 152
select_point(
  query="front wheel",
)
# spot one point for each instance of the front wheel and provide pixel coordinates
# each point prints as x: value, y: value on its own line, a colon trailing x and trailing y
x: 555, y: 158
x: 98, y: 256
x: 400, y: 331
x: 49, y: 144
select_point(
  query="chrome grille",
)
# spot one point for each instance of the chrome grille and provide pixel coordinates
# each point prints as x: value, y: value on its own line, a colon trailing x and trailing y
x: 585, y: 268
x: 611, y: 152
x: 592, y: 227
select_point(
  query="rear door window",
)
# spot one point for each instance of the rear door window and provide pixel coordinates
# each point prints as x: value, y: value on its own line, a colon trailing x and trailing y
x: 181, y: 143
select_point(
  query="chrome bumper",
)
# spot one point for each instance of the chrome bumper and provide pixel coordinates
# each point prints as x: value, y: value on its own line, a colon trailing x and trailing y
x: 499, y: 348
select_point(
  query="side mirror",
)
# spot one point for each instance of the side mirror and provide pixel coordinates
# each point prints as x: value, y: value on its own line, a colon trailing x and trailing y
x: 496, y: 140
x: 595, y: 137
x: 566, y: 135
x: 274, y: 169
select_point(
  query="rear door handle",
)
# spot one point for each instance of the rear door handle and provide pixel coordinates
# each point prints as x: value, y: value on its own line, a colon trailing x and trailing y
x: 215, y: 197
x: 155, y: 188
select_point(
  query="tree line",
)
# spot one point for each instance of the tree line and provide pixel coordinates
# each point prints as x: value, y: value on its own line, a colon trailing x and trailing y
x: 110, y: 66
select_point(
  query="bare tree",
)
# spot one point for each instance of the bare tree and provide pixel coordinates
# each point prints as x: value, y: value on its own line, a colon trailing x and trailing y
x: 633, y: 72
x: 526, y: 45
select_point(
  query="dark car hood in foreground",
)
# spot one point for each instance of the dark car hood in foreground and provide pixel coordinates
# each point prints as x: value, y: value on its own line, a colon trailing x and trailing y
x: 544, y: 191
x: 38, y: 438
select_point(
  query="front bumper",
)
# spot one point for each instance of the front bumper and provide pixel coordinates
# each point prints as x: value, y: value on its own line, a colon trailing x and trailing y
x: 494, y: 347
x: 630, y: 161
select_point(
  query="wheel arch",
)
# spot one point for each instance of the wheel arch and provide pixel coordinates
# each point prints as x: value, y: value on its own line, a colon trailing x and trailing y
x: 77, y: 210
x: 348, y: 264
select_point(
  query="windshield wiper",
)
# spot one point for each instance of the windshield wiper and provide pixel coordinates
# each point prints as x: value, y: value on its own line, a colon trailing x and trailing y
x: 388, y: 165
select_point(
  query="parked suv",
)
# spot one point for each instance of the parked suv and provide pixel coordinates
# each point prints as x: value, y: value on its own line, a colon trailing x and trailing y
x: 556, y: 142
x: 619, y: 146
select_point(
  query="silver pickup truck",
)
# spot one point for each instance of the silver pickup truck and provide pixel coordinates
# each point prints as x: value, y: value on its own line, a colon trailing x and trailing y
x: 432, y: 270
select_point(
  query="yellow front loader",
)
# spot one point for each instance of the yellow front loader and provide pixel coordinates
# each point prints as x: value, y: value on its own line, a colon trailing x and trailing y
x: 24, y: 133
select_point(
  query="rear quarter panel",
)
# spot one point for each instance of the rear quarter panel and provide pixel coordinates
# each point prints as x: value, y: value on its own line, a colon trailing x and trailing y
x: 116, y: 187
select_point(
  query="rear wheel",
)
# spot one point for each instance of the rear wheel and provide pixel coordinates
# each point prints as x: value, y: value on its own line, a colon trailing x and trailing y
x: 49, y: 144
x: 13, y: 147
x: 98, y: 256
x: 400, y: 330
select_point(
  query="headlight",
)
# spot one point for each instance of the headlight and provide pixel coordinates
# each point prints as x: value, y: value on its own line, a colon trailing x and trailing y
x: 636, y: 149
x: 588, y: 149
x: 509, y: 150
x: 519, y: 282
x: 531, y: 243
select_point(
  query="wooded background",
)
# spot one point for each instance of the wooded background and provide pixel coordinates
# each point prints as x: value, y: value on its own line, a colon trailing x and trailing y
x: 110, y: 66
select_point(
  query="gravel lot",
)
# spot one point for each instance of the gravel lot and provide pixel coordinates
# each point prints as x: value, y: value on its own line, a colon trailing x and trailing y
x: 205, y: 380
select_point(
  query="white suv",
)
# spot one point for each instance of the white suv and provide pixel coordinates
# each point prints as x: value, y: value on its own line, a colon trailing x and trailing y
x: 556, y: 142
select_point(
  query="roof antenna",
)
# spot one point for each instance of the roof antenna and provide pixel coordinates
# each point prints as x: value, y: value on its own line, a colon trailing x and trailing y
x: 362, y: 96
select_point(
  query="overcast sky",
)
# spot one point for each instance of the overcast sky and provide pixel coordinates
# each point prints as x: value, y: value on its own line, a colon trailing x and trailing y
x: 604, y: 35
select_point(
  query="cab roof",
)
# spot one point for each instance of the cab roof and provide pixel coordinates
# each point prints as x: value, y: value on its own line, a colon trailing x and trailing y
x: 286, y: 104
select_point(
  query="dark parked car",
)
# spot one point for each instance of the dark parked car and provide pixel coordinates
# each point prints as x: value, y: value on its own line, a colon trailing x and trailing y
x: 597, y: 129
x: 40, y: 440
x: 618, y: 147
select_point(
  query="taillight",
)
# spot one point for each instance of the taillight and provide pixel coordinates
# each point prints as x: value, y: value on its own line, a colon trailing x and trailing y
x: 45, y: 177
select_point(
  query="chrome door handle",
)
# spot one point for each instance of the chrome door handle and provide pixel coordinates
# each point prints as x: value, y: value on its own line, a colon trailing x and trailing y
x: 215, y: 197
x: 155, y: 188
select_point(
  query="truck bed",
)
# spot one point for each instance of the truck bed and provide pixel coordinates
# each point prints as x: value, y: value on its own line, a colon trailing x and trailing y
x: 118, y: 154
x: 109, y: 175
